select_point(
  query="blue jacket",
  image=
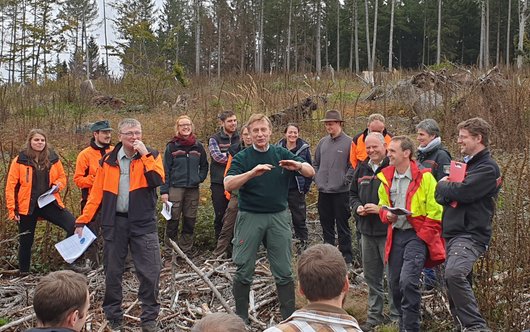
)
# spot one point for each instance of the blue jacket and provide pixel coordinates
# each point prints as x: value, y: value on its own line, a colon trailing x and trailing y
x: 302, y: 150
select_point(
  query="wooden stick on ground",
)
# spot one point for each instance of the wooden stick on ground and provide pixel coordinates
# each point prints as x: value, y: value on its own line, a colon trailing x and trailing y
x: 17, y: 322
x: 203, y: 276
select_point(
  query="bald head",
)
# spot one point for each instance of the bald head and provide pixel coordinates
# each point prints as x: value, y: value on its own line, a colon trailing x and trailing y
x: 375, y: 147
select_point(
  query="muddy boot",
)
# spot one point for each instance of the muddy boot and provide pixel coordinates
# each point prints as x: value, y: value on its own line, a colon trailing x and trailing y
x: 241, y: 294
x: 186, y: 244
x: 286, y: 299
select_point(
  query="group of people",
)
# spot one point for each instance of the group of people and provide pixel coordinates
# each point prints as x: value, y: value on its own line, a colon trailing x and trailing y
x: 400, y: 205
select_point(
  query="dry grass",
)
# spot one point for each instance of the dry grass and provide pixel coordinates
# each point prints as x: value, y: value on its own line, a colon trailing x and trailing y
x: 502, y: 276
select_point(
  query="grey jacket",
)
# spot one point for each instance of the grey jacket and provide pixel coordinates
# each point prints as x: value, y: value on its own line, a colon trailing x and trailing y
x: 332, y: 164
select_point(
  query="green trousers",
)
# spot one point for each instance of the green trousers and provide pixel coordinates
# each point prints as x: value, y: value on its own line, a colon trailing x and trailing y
x: 271, y: 229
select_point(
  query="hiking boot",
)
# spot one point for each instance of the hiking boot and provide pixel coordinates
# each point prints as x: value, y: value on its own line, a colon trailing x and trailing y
x: 115, y: 325
x: 149, y: 326
x: 368, y: 327
x: 80, y: 267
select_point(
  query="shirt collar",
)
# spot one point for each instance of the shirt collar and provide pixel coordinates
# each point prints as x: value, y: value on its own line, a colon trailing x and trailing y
x: 262, y: 150
x: 407, y: 174
x: 121, y: 154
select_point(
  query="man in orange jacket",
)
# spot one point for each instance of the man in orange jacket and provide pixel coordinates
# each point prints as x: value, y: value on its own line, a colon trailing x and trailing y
x: 125, y: 186
x: 86, y: 166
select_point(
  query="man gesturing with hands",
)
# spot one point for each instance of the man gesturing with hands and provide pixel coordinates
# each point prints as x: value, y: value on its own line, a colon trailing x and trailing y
x: 262, y: 174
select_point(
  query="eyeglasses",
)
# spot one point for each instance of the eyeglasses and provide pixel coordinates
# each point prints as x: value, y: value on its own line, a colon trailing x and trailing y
x: 185, y: 125
x: 132, y: 133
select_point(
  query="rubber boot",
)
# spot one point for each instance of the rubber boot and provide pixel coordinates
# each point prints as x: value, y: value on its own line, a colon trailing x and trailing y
x: 241, y: 294
x: 286, y: 299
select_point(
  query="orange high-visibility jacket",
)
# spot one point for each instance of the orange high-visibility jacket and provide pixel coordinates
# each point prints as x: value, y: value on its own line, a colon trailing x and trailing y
x: 20, y: 183
x: 86, y: 166
x: 358, y: 147
x: 146, y: 173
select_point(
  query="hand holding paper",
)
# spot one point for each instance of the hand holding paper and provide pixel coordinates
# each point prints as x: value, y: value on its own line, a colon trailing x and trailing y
x: 47, y: 197
x: 74, y: 246
x: 166, y: 210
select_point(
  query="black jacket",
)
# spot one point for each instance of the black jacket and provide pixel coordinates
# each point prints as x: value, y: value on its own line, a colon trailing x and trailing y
x: 364, y: 187
x: 475, y: 197
x: 435, y: 159
x: 184, y: 166
x: 301, y: 183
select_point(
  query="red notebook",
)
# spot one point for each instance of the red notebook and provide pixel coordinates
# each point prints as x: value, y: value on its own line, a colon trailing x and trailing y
x: 457, y: 173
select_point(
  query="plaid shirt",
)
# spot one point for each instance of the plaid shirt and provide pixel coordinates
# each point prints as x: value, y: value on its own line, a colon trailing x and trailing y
x: 317, y: 317
x: 216, y: 153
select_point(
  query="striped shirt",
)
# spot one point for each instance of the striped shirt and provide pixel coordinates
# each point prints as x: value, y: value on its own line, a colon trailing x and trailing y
x: 317, y: 317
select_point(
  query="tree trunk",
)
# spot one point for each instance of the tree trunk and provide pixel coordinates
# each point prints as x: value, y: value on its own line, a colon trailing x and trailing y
x: 367, y: 19
x: 425, y: 39
x: 105, y: 35
x: 487, y: 40
x: 197, y: 36
x: 219, y: 43
x: 391, y: 36
x: 356, y: 43
x: 523, y: 16
x: 498, y: 46
x: 338, y: 35
x: 259, y: 60
x: 318, y: 62
x: 376, y: 9
x: 288, y: 60
x: 439, y: 34
x: 482, y: 34
x: 508, y: 35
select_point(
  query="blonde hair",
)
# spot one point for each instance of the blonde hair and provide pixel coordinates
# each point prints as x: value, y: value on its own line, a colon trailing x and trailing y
x: 183, y: 117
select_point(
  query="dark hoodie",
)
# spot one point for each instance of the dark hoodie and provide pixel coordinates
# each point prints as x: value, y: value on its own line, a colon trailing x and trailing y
x: 364, y: 189
x: 301, y: 149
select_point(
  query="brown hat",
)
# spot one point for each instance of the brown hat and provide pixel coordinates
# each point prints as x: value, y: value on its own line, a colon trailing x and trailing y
x: 332, y: 115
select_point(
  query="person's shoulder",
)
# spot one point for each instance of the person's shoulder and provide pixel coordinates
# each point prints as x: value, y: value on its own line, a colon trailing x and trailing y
x: 282, y: 327
x: 359, y: 135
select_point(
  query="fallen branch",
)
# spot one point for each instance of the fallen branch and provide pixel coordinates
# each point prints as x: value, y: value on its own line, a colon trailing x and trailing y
x: 17, y: 322
x: 203, y: 276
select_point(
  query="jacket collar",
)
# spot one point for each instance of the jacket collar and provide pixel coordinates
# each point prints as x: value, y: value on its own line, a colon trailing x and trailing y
x: 24, y: 159
x: 96, y: 147
x: 485, y: 153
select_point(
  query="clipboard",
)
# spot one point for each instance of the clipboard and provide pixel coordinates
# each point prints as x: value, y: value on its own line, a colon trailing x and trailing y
x: 457, y: 173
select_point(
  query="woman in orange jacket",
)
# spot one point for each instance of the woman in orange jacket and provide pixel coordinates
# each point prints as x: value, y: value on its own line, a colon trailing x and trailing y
x: 34, y: 171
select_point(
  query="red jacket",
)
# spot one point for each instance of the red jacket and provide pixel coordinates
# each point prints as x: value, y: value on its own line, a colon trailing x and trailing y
x: 426, y: 212
x: 20, y: 184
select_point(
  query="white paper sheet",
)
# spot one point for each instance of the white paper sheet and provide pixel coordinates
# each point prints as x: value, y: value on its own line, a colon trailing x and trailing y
x: 47, y: 197
x: 74, y: 246
x: 166, y: 210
